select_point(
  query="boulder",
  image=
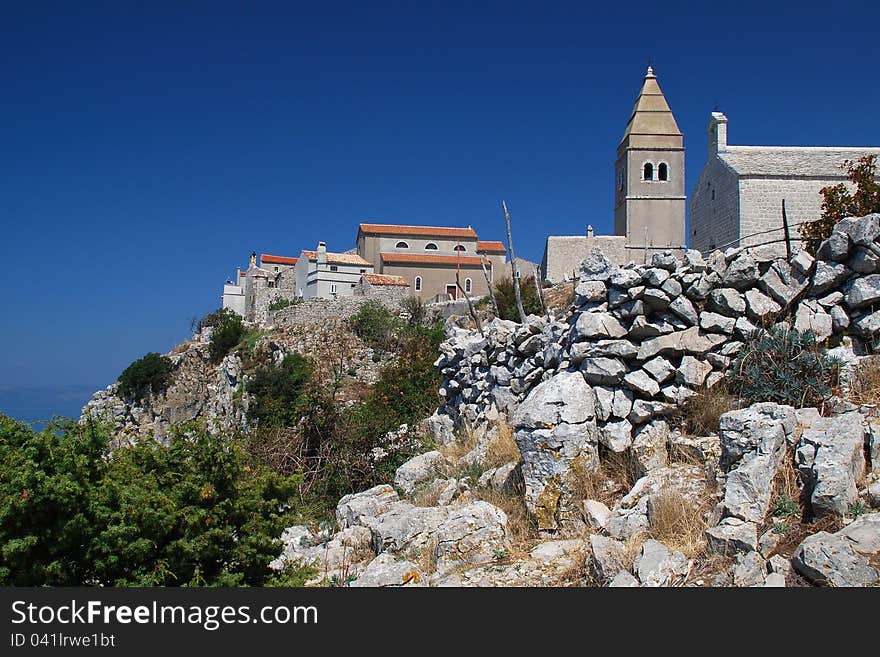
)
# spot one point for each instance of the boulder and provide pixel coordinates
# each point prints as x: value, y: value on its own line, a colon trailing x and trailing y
x: 827, y: 276
x: 691, y: 341
x: 831, y: 458
x: 417, y: 470
x: 835, y: 248
x: 623, y: 579
x: 564, y: 399
x: 783, y: 283
x: 616, y: 435
x: 659, y: 368
x: 624, y: 278
x: 591, y: 292
x: 732, y: 536
x: 683, y: 308
x: 406, y: 528
x: 830, y: 560
x: 649, y: 447
x: 596, y: 514
x: 655, y: 566
x: 352, y: 509
x: 811, y: 316
x: 742, y: 273
x: 692, y: 372
x: 760, y: 308
x: 595, y: 267
x: 716, y: 323
x: 590, y: 326
x: 607, y: 557
x: 655, y: 276
x: 388, y: 570
x: 750, y: 570
x: 863, y: 291
x: 472, y: 534
x: 602, y: 371
x: 863, y: 534
x: 665, y: 260
x: 640, y: 382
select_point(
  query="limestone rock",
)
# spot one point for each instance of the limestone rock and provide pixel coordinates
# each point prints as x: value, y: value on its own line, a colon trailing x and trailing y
x: 742, y: 273
x: 731, y: 536
x: 590, y: 326
x: 616, y: 435
x: 831, y: 458
x: 683, y: 308
x: 692, y: 371
x: 691, y: 341
x: 717, y: 323
x: 566, y: 398
x: 417, y: 470
x: 607, y: 557
x: 830, y: 560
x: 863, y: 291
x: 388, y: 570
x: 640, y: 382
x: 474, y: 533
x: 759, y: 307
x: 656, y: 566
x: 352, y: 509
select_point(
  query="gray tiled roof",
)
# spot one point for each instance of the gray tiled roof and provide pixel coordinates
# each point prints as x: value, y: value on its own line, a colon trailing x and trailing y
x: 814, y: 162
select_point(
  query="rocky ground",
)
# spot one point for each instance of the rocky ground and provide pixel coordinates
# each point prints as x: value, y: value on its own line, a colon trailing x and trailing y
x: 596, y: 485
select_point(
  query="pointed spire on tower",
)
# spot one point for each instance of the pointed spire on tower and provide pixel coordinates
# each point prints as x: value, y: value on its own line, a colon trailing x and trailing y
x: 651, y: 117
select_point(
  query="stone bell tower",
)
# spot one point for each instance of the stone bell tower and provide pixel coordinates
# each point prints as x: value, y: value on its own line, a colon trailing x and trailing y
x: 649, y: 198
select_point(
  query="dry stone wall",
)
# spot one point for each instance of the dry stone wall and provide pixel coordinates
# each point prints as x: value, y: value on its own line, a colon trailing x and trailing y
x: 646, y: 338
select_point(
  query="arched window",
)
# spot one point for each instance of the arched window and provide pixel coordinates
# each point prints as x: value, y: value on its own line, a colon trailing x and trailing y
x: 418, y: 283
x: 648, y: 173
x: 663, y: 172
x: 401, y: 245
x: 468, y: 284
x: 458, y: 247
x: 430, y: 246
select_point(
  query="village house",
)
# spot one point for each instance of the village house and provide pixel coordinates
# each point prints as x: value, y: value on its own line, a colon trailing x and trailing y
x: 326, y: 275
x: 429, y: 258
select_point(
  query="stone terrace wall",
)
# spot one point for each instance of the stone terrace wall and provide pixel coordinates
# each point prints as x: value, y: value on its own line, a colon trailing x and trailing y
x: 645, y: 338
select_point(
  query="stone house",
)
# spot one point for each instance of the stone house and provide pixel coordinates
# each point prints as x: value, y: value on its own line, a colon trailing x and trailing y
x: 326, y: 275
x: 277, y: 264
x: 234, y: 293
x: 741, y: 188
x: 387, y: 289
x: 429, y: 257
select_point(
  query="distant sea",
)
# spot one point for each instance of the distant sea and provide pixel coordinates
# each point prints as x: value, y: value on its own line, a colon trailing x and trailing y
x: 37, y: 405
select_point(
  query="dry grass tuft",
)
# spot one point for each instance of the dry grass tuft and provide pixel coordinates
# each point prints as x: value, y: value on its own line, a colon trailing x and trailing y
x: 865, y: 383
x: 454, y: 452
x: 699, y: 414
x: 520, y: 527
x: 678, y: 523
x: 709, y: 566
x: 503, y: 448
x: 607, y: 484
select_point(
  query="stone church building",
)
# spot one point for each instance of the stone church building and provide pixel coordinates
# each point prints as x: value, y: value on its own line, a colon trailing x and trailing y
x: 738, y: 198
x: 649, y: 193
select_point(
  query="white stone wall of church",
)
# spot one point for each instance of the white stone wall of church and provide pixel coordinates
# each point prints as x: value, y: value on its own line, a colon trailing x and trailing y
x: 761, y: 206
x: 714, y: 221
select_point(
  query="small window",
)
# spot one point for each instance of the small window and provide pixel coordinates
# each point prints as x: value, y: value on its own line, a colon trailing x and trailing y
x: 468, y: 284
x: 430, y: 246
x: 663, y: 172
x: 363, y: 271
x: 334, y: 268
x: 648, y: 172
x: 459, y: 247
x: 352, y: 284
x: 276, y: 268
x: 401, y: 245
x: 713, y: 194
x: 418, y: 283
x: 332, y: 288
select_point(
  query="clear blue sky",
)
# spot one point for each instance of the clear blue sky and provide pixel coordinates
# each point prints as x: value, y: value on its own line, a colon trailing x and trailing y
x: 147, y: 148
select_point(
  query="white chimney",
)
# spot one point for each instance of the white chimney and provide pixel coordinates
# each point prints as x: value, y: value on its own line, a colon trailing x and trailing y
x: 717, y: 133
x: 590, y: 231
x: 322, y: 253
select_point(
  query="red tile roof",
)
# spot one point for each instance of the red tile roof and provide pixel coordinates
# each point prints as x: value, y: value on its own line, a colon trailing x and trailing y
x: 420, y: 259
x: 424, y: 231
x: 385, y: 279
x: 491, y: 247
x: 340, y: 258
x: 277, y: 260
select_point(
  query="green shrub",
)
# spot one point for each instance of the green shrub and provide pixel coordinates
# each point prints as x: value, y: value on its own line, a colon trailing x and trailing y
x: 377, y: 326
x: 277, y: 392
x: 228, y: 332
x: 783, y: 366
x: 152, y: 373
x: 416, y: 310
x: 506, y: 297
x: 281, y: 304
x: 198, y: 511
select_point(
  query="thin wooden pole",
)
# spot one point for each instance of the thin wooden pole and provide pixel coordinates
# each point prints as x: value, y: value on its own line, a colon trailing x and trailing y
x: 491, y: 288
x: 541, y: 293
x: 785, y: 228
x: 516, y: 291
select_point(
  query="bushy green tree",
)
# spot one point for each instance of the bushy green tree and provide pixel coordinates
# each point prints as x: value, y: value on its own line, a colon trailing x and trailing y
x: 277, y: 392
x: 228, y: 332
x: 197, y: 511
x: 152, y: 373
x: 838, y: 202
x: 506, y: 297
x: 377, y: 326
x: 783, y: 366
